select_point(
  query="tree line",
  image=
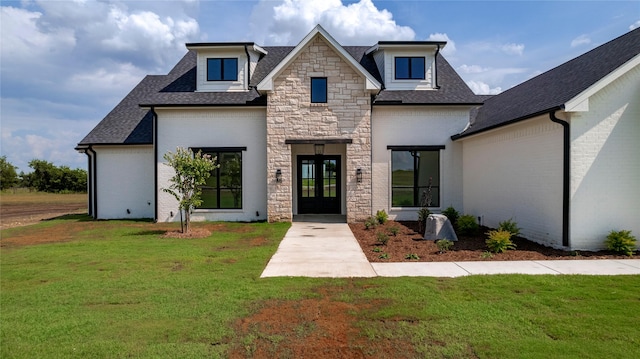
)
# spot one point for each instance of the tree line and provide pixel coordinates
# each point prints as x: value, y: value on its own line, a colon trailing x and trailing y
x: 45, y: 177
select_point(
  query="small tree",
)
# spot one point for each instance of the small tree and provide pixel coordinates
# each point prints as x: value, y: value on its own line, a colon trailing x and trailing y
x: 8, y: 176
x: 191, y: 172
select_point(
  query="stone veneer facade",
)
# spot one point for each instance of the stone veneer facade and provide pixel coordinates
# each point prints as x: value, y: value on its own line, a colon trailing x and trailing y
x: 292, y: 116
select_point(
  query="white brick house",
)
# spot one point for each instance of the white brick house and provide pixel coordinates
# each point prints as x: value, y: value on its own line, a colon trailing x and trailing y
x: 326, y: 128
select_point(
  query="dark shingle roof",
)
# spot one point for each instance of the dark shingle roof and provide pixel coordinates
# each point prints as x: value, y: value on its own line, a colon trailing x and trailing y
x: 130, y: 122
x: 552, y: 89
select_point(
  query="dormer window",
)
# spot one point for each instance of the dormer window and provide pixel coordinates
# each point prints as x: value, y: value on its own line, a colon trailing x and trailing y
x: 222, y: 69
x: 409, y: 68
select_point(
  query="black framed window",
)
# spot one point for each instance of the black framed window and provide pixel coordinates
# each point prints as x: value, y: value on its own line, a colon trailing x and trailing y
x: 223, y: 189
x: 415, y: 177
x: 222, y: 69
x: 409, y: 68
x: 318, y: 89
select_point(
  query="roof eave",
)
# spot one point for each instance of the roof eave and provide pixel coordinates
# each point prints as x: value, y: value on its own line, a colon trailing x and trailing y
x: 510, y: 122
x: 580, y: 102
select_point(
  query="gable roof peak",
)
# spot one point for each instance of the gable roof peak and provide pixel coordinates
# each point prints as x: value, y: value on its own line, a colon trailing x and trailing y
x: 370, y: 81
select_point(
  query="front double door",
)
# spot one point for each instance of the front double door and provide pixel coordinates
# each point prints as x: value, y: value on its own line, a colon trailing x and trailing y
x: 319, y: 184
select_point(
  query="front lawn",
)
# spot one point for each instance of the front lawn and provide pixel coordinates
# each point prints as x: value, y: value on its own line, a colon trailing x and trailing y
x: 76, y: 288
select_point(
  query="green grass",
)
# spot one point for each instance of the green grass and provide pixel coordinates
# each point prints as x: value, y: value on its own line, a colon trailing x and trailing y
x: 117, y: 289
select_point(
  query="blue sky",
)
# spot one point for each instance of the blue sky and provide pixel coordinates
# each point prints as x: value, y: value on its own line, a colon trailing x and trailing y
x: 65, y: 64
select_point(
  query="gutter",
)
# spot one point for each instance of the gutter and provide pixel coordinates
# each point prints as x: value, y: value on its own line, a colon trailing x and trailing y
x: 155, y: 162
x: 566, y: 173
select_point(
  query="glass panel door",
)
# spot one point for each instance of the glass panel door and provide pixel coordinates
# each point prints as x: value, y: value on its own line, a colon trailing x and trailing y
x: 319, y: 184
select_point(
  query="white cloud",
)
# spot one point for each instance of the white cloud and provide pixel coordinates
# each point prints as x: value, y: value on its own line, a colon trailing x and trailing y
x: 471, y: 69
x: 513, y: 49
x: 450, y: 48
x: 360, y: 23
x: 481, y: 88
x: 635, y: 25
x: 65, y: 64
x: 580, y: 40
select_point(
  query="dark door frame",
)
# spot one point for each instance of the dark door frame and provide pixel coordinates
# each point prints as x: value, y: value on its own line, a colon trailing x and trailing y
x: 319, y: 204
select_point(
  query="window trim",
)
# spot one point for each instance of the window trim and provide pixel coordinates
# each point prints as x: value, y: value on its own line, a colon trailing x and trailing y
x: 326, y: 90
x: 404, y: 148
x: 222, y: 61
x: 395, y: 67
x: 217, y: 151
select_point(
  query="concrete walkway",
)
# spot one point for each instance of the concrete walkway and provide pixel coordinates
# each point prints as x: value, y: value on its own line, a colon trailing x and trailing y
x: 323, y: 246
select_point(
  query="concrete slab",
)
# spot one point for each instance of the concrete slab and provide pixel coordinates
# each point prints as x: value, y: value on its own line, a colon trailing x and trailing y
x: 319, y: 249
x: 505, y: 267
x: 419, y: 269
x: 630, y: 262
x: 593, y: 267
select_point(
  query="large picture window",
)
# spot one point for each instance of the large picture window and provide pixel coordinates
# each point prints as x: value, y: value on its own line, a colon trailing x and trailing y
x: 223, y: 189
x: 222, y: 69
x: 415, y: 176
x: 410, y: 68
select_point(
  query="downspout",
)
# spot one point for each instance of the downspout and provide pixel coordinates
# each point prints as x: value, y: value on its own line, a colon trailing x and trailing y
x: 566, y: 173
x: 248, y: 65
x: 435, y: 68
x: 154, y: 116
x: 93, y: 182
x: 89, y: 183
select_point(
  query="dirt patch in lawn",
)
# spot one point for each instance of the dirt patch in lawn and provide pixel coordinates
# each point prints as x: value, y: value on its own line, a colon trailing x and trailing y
x: 409, y: 241
x: 322, y: 327
x: 16, y: 215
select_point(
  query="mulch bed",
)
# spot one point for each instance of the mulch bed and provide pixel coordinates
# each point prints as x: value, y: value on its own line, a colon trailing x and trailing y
x: 409, y: 241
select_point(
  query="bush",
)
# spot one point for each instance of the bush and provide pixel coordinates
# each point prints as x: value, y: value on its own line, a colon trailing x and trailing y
x: 381, y: 216
x: 467, y: 224
x: 383, y: 238
x: 370, y: 222
x: 621, y: 242
x: 452, y: 214
x: 499, y: 241
x: 412, y: 256
x: 394, y: 230
x: 510, y: 226
x: 444, y: 245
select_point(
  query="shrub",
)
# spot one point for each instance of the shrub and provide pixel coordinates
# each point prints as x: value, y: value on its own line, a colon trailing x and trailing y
x: 452, y: 214
x: 383, y: 238
x: 423, y: 213
x: 394, y: 230
x: 467, y: 224
x: 510, y: 226
x: 621, y: 242
x: 444, y: 245
x: 499, y: 241
x: 381, y: 216
x: 384, y: 256
x: 376, y: 250
x: 411, y: 256
x: 370, y: 223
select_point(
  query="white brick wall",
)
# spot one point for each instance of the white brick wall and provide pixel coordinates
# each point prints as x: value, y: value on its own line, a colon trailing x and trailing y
x: 216, y: 128
x: 125, y: 181
x: 605, y: 171
x: 415, y: 126
x: 516, y: 172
